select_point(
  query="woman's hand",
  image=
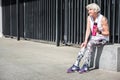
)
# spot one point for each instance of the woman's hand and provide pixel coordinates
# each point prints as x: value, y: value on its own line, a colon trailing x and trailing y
x: 84, y: 44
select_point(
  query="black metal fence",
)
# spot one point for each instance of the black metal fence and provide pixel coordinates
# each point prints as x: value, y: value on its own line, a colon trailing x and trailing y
x: 37, y: 19
x: 61, y: 21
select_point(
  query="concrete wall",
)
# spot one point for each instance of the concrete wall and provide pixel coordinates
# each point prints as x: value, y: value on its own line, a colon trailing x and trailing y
x: 107, y: 57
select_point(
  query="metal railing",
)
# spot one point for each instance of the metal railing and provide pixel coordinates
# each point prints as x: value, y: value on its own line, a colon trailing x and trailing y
x: 75, y: 19
x: 40, y: 20
x: 61, y: 21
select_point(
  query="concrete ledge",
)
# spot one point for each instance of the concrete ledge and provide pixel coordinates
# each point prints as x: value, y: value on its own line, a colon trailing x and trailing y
x: 110, y: 58
x: 107, y: 57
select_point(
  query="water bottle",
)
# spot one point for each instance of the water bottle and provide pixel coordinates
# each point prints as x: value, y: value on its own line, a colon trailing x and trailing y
x: 94, y: 29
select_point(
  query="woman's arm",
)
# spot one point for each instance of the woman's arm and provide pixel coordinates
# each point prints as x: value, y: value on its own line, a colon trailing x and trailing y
x: 105, y: 26
x: 87, y: 33
x: 87, y: 29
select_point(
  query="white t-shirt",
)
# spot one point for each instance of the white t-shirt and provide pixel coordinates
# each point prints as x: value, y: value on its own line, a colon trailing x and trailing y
x: 98, y: 21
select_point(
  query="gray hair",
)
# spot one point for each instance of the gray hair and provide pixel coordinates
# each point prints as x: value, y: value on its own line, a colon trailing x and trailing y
x: 93, y: 6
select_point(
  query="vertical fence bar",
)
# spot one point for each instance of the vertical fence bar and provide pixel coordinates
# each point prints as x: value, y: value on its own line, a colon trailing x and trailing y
x: 47, y: 28
x: 37, y: 34
x: 24, y: 20
x: 119, y: 22
x: 45, y: 20
x: 99, y: 2
x: 37, y: 20
x: 51, y: 12
x: 75, y: 20
x: 21, y: 19
x: 53, y: 21
x: 69, y: 21
x: 72, y: 23
x: 17, y: 19
x: 116, y: 22
x: 66, y: 23
x: 42, y: 19
x: 78, y: 21
x: 57, y: 27
x: 10, y: 18
x: 49, y: 20
x: 109, y: 7
x: 84, y: 19
x: 113, y: 20
x: 61, y: 19
x: 104, y: 7
x: 33, y: 20
x: 81, y: 19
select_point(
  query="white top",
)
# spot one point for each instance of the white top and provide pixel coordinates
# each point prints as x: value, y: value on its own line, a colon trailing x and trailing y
x: 98, y: 21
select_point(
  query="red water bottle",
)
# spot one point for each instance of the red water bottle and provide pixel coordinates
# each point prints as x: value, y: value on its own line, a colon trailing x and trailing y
x: 94, y: 31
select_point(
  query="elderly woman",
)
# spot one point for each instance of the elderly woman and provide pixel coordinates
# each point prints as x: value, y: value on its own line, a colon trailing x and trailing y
x: 97, y: 33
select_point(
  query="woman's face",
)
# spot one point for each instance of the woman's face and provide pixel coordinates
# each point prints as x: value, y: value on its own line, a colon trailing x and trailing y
x: 91, y: 12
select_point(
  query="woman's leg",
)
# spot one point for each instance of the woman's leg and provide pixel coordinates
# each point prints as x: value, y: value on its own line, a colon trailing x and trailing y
x: 75, y: 66
x: 79, y: 57
x: 85, y: 52
x: 89, y: 50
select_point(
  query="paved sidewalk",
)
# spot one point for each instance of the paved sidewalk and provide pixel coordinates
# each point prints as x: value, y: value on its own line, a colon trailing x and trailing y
x: 27, y: 60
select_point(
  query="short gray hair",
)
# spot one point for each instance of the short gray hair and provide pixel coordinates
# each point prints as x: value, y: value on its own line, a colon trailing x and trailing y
x: 93, y: 6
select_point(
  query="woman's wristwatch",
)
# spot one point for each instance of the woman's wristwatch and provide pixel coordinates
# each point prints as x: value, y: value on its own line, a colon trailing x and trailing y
x: 99, y: 32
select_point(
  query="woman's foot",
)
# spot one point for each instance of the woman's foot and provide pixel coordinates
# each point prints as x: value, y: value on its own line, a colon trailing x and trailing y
x: 73, y: 69
x: 83, y: 69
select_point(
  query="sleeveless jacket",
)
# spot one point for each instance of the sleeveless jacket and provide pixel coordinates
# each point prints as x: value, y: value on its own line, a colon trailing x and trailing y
x: 98, y: 21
